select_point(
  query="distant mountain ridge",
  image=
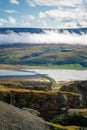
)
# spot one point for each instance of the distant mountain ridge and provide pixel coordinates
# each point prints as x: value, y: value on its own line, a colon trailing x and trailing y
x: 41, y: 30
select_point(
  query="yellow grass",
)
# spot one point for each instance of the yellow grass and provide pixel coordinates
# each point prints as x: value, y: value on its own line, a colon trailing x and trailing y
x: 57, y: 127
x: 4, y: 88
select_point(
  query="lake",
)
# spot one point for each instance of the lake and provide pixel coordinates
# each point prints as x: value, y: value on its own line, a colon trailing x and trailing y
x: 57, y: 74
x: 16, y: 73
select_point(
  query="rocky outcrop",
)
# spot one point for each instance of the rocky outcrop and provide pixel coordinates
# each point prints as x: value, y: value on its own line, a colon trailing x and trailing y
x: 73, y: 117
x: 12, y: 118
x: 70, y: 100
x: 41, y: 100
x: 39, y: 83
x: 47, y: 103
x: 79, y: 87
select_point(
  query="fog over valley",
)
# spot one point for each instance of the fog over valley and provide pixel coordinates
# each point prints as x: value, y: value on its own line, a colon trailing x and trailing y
x: 47, y: 36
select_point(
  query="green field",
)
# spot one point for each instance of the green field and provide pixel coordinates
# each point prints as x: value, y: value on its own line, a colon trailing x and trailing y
x: 68, y: 66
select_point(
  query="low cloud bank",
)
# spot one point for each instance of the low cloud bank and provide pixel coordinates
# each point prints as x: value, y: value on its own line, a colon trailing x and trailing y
x: 47, y: 37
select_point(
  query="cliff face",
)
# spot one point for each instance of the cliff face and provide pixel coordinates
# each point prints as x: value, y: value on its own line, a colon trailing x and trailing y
x: 41, y: 100
x: 47, y: 103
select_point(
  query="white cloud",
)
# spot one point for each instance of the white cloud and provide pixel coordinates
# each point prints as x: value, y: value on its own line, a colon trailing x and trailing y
x: 30, y: 3
x: 31, y: 17
x: 55, y: 2
x: 66, y: 16
x: 26, y: 24
x: 26, y: 20
x: 11, y: 20
x: 44, y: 23
x: 48, y: 37
x: 2, y: 21
x: 14, y: 2
x: 8, y: 22
x: 9, y: 11
x: 70, y: 13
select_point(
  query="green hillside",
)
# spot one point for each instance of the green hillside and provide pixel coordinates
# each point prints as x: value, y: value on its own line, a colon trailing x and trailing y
x: 58, y: 56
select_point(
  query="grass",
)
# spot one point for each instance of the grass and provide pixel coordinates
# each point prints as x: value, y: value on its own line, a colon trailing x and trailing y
x: 6, y: 88
x: 7, y: 66
x: 61, y: 83
x: 78, y: 112
x: 44, y: 56
x: 66, y: 66
x: 3, y: 88
x: 17, y: 84
x: 60, y: 127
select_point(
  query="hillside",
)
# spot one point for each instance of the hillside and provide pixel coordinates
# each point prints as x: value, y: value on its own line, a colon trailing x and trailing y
x: 44, y: 55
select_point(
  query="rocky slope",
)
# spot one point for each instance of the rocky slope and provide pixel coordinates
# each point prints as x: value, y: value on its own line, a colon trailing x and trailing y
x: 12, y: 118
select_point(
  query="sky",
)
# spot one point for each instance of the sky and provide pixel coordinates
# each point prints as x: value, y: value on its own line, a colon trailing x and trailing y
x: 43, y: 13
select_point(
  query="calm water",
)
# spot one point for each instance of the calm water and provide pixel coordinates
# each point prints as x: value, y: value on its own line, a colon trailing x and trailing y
x: 64, y: 75
x: 57, y: 74
x: 14, y: 73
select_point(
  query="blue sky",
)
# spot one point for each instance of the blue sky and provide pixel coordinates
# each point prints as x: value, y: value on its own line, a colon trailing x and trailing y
x: 43, y: 13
